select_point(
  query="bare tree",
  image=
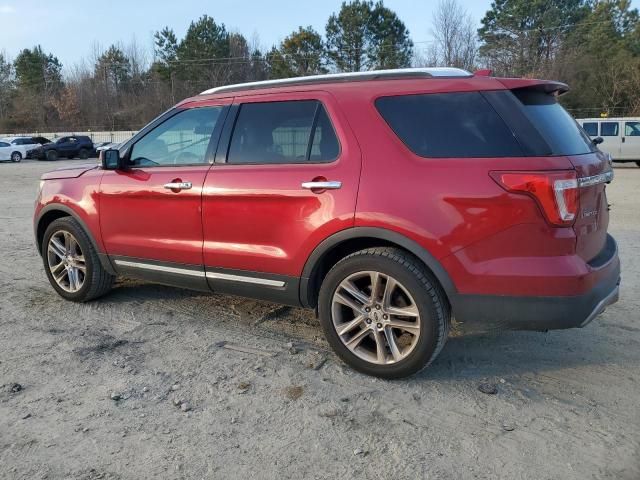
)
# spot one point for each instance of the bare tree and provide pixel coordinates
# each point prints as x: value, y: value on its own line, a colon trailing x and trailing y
x: 455, y: 40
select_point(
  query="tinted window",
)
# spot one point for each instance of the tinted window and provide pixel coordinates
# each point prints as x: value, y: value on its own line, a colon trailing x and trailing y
x: 449, y: 125
x: 632, y: 129
x: 4, y: 144
x: 555, y: 124
x: 324, y: 146
x: 609, y: 129
x: 182, y: 139
x: 281, y: 132
x: 591, y: 128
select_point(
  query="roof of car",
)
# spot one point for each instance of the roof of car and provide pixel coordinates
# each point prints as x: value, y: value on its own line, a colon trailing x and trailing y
x: 609, y: 119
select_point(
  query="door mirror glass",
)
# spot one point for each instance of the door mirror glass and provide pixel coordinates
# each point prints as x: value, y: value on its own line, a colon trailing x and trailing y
x: 110, y: 159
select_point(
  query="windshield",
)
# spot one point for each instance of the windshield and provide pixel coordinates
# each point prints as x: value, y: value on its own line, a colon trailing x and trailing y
x: 554, y: 123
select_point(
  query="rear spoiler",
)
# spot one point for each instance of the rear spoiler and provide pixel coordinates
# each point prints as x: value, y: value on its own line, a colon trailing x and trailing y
x: 546, y: 86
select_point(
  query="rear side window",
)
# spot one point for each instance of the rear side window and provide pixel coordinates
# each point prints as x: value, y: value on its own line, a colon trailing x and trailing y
x: 449, y: 125
x: 558, y: 128
x: 283, y: 132
x: 632, y: 129
x: 591, y: 128
x: 609, y: 129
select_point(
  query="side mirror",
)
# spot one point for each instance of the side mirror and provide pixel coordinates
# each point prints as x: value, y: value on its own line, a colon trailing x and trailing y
x: 598, y: 140
x: 110, y: 159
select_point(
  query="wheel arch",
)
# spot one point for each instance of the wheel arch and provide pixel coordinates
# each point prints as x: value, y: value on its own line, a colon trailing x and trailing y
x: 345, y: 242
x: 55, y: 211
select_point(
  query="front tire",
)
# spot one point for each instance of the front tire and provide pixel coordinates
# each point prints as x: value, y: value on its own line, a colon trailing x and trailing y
x: 71, y: 262
x: 383, y: 313
x: 84, y: 153
x: 16, y: 157
x: 51, y: 155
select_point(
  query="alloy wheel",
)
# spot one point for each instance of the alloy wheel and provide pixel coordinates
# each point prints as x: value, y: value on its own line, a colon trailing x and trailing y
x: 375, y: 317
x: 66, y: 261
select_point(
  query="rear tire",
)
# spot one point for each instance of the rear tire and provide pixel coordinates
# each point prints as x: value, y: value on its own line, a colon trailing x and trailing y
x: 72, y: 263
x: 51, y: 155
x: 392, y: 330
x: 16, y: 157
x: 83, y: 154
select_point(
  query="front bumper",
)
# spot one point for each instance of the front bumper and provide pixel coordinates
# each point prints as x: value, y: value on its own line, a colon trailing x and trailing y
x: 489, y: 312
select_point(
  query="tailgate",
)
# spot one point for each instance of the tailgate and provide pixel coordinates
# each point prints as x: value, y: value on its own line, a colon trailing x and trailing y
x: 594, y: 172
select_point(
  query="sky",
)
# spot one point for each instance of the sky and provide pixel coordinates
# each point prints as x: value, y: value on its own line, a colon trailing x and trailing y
x: 70, y: 29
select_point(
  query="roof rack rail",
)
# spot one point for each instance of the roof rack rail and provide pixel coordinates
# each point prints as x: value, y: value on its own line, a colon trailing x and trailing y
x: 399, y: 73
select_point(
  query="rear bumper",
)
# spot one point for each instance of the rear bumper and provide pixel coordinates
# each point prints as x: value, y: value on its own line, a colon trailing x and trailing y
x: 540, y: 313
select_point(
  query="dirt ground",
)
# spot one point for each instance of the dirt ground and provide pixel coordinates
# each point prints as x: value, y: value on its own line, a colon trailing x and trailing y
x: 567, y: 403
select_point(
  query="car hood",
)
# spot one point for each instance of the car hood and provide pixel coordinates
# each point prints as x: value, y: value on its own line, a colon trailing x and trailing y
x: 71, y: 171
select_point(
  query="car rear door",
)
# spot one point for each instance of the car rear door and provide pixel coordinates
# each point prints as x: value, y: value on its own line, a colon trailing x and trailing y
x: 630, y: 144
x: 150, y: 213
x: 285, y: 178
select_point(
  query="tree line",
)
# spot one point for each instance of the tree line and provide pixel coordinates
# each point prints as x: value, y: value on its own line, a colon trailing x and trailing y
x: 593, y: 45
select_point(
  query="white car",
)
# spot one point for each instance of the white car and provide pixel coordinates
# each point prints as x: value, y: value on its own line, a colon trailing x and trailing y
x: 106, y: 146
x: 15, y: 149
x: 619, y: 137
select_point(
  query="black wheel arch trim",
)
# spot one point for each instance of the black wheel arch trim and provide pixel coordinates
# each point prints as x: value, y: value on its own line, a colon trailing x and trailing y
x: 384, y: 234
x: 104, y: 259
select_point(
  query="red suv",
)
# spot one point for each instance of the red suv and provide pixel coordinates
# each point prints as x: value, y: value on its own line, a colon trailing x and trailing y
x: 389, y: 201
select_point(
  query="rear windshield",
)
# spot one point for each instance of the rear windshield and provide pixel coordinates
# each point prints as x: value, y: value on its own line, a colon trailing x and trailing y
x: 554, y: 123
x: 449, y: 125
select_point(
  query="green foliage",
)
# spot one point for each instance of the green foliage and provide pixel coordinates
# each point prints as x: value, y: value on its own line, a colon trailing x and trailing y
x: 601, y: 61
x: 521, y: 37
x: 113, y: 68
x: 301, y: 53
x: 7, y: 84
x: 364, y: 36
x: 37, y: 72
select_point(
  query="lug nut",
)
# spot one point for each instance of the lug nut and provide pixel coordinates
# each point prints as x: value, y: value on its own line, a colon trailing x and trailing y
x: 379, y: 325
x: 367, y: 309
x: 377, y: 307
x: 368, y: 321
x: 385, y: 316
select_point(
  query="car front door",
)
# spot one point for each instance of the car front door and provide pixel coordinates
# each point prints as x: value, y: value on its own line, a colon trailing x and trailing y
x: 150, y: 212
x: 285, y: 178
x: 630, y: 146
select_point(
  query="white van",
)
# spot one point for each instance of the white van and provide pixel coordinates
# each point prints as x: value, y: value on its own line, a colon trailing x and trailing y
x: 620, y: 136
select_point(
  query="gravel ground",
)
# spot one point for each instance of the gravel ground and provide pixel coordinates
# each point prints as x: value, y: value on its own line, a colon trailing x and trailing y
x: 152, y: 382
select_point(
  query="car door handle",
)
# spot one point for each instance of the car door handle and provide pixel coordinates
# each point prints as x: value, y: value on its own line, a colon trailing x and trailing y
x: 327, y: 185
x: 178, y: 185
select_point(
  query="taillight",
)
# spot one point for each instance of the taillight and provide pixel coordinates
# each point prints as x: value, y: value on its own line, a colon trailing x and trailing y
x: 556, y: 192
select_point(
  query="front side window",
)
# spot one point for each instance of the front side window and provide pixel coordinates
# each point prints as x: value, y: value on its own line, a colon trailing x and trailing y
x: 448, y: 125
x: 632, y: 129
x: 609, y: 129
x: 282, y: 132
x: 183, y: 139
x: 591, y: 128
